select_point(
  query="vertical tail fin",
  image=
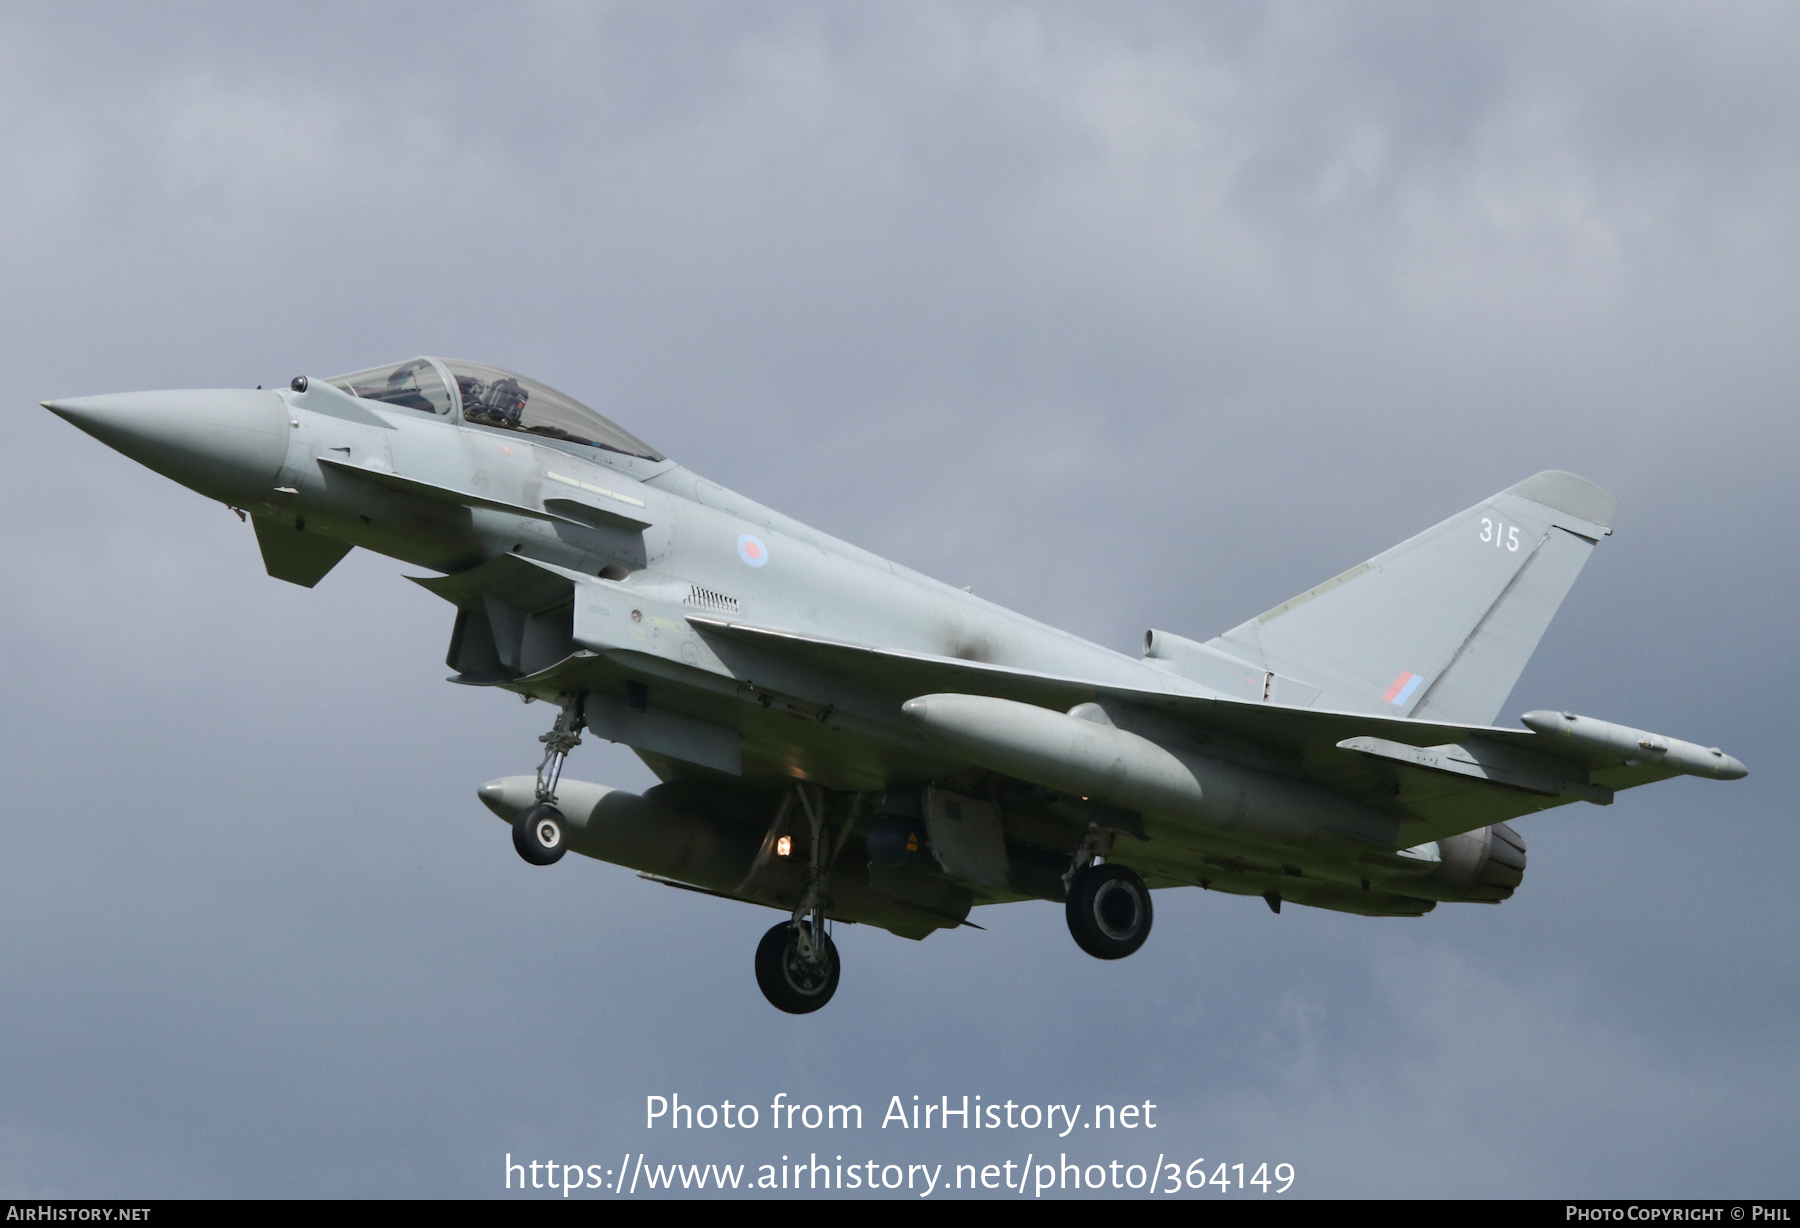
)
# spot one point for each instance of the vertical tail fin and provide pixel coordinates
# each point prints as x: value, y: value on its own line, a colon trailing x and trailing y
x: 1440, y: 626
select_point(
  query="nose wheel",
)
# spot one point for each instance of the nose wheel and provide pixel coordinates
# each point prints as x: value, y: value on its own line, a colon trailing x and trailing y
x: 541, y: 833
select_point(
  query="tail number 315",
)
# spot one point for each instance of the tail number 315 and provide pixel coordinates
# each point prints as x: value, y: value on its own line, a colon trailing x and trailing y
x: 1500, y: 533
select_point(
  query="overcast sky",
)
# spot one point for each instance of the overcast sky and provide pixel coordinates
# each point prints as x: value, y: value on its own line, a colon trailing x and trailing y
x: 1127, y: 315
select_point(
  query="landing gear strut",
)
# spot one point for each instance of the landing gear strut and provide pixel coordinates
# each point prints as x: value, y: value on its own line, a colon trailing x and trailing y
x: 540, y: 833
x: 796, y: 961
x: 1109, y: 909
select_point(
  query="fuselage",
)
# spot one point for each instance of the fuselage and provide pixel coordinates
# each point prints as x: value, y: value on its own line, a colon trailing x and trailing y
x: 802, y: 579
x: 584, y: 563
x: 706, y: 551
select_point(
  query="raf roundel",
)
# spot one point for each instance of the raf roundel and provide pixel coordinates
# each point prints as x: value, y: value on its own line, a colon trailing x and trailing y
x: 752, y: 550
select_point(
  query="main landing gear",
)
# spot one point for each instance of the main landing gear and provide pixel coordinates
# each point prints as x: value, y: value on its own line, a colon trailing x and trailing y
x: 792, y: 979
x: 1108, y: 909
x: 540, y: 833
x: 796, y: 961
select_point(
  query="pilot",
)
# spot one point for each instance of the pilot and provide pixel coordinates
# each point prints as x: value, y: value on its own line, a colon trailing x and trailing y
x: 501, y: 403
x: 506, y: 400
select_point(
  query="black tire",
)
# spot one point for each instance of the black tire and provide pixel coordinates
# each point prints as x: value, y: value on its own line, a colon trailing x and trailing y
x: 1109, y: 911
x: 789, y: 982
x: 541, y: 834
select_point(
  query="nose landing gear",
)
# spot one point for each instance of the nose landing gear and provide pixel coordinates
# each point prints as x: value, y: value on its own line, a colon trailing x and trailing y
x: 541, y: 833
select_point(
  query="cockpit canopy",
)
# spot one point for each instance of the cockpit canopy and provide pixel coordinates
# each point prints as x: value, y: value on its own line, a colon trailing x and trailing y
x: 488, y: 396
x: 415, y: 384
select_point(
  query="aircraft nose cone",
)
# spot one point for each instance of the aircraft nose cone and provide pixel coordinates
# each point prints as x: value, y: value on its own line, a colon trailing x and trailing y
x: 227, y: 443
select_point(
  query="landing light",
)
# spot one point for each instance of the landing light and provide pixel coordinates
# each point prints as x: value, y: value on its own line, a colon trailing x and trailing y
x: 784, y: 846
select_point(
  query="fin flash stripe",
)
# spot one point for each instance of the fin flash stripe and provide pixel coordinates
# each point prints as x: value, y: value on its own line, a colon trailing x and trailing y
x: 1403, y: 688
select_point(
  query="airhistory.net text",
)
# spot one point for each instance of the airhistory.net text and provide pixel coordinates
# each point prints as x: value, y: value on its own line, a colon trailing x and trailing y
x: 966, y: 1113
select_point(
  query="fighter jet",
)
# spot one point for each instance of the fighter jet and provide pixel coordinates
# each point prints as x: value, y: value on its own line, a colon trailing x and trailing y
x: 845, y: 740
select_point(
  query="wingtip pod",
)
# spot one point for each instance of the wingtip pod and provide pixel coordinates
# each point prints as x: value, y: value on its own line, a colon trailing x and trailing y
x: 1636, y: 745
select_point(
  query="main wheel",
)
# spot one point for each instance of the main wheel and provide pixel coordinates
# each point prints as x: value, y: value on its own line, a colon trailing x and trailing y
x: 790, y: 982
x: 541, y: 834
x: 1108, y: 910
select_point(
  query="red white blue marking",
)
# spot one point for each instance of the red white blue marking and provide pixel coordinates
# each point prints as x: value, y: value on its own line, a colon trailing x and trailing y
x: 1405, y: 686
x: 752, y: 550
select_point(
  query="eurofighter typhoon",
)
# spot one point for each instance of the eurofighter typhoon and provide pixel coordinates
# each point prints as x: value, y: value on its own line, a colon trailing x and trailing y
x: 845, y: 740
